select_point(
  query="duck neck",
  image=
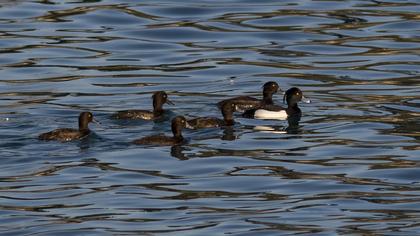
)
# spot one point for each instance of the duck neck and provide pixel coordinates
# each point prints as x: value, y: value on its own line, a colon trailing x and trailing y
x: 229, y: 122
x: 177, y: 131
x: 268, y: 97
x: 292, y: 107
x: 157, y: 107
x: 83, y: 124
x: 228, y: 117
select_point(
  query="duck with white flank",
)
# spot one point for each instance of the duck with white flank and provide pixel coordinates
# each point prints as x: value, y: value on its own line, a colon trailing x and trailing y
x: 291, y: 97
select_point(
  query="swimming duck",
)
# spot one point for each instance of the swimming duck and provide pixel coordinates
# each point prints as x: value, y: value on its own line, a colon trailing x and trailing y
x: 209, y: 122
x: 159, y: 98
x: 291, y: 97
x: 178, y: 123
x: 68, y: 134
x: 244, y: 103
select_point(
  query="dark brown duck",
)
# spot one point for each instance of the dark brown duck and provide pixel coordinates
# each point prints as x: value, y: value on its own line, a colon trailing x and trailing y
x: 209, y: 122
x: 244, y: 103
x: 68, y: 134
x: 159, y: 98
x: 178, y: 123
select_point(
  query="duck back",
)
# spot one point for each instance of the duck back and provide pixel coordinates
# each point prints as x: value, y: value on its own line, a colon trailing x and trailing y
x: 134, y: 114
x: 64, y: 134
x: 242, y: 103
x: 205, y: 122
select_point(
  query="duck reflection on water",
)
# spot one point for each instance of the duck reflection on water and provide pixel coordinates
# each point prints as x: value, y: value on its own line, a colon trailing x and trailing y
x: 292, y: 127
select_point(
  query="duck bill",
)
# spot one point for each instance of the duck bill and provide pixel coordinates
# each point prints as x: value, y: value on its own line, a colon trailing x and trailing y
x: 96, y: 121
x: 305, y: 100
x: 169, y: 102
x: 188, y: 126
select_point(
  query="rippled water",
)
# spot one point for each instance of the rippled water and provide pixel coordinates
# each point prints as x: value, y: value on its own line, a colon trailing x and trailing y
x: 350, y: 167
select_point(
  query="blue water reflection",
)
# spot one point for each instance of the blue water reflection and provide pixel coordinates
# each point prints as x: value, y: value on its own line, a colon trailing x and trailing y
x: 350, y: 166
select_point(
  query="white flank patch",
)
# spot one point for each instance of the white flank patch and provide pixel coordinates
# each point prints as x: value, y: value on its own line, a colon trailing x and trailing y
x: 270, y: 115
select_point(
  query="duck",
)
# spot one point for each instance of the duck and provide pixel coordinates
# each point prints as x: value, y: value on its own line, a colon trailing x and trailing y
x: 210, y: 122
x: 244, y: 103
x: 69, y: 134
x: 159, y: 98
x: 271, y: 111
x: 178, y: 123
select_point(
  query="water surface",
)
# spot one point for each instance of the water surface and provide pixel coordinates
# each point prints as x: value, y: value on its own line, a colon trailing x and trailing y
x: 351, y: 166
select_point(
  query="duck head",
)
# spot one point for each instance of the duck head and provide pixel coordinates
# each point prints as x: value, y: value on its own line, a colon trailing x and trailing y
x: 269, y: 89
x: 84, y: 119
x: 293, y: 96
x: 179, y: 123
x: 159, y: 98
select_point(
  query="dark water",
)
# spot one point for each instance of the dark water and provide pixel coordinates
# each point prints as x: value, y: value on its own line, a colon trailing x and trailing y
x: 350, y: 167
